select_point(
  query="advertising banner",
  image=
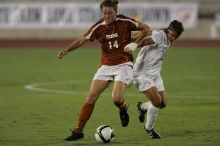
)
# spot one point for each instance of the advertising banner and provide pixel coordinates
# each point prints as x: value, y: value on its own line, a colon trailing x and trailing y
x: 77, y: 15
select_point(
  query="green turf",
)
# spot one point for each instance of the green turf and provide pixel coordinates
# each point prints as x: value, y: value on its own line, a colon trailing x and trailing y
x: 31, y: 118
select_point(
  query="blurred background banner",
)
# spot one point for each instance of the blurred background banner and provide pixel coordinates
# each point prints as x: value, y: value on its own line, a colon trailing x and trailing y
x: 51, y: 20
x: 82, y: 15
x: 159, y: 15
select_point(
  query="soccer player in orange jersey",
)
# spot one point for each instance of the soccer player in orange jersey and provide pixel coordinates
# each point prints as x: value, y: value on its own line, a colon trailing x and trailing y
x: 113, y: 31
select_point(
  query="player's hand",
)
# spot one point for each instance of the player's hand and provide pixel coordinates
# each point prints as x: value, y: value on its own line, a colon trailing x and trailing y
x: 61, y: 54
x: 129, y: 48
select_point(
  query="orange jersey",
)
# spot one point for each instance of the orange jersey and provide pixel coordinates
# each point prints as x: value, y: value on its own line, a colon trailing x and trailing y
x: 113, y: 38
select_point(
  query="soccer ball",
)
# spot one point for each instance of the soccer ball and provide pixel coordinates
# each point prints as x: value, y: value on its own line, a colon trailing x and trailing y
x: 104, y: 134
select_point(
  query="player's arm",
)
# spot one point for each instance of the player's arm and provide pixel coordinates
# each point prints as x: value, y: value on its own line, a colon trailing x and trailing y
x: 131, y: 47
x: 147, y: 41
x: 74, y: 45
x: 145, y: 31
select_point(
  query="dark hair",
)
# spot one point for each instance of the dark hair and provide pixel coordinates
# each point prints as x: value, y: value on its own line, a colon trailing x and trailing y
x: 110, y: 3
x: 177, y: 27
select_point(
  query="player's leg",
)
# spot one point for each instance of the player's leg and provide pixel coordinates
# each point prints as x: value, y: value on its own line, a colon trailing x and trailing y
x: 147, y: 86
x: 152, y: 88
x: 117, y: 94
x: 143, y: 106
x: 121, y: 81
x: 96, y: 89
x: 117, y: 97
x: 140, y: 83
x: 163, y: 99
x: 154, y: 96
x: 153, y: 109
x: 142, y: 109
x: 160, y: 88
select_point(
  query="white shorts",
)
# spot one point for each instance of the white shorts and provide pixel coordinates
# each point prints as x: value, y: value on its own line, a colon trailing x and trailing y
x: 121, y: 72
x: 144, y: 82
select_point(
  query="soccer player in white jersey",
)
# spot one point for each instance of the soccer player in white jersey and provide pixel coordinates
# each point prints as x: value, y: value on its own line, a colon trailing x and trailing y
x: 147, y: 68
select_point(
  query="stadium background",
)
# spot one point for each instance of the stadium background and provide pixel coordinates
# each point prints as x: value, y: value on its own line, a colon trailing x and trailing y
x: 40, y: 96
x: 206, y: 25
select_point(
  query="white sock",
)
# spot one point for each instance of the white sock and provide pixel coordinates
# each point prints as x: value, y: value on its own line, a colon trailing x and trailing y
x: 151, y: 116
x: 145, y: 106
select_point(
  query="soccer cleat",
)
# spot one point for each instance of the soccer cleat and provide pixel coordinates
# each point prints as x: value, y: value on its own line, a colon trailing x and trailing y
x: 74, y: 136
x: 141, y: 112
x: 153, y: 134
x: 124, y: 117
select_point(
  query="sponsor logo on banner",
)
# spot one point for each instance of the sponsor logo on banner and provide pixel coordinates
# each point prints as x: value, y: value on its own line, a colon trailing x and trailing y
x: 71, y: 15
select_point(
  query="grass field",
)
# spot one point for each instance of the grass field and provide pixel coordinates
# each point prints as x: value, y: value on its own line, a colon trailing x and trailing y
x: 44, y: 117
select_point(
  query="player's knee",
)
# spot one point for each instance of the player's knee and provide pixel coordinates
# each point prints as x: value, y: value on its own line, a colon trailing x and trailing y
x: 117, y: 102
x: 158, y: 103
x: 163, y: 104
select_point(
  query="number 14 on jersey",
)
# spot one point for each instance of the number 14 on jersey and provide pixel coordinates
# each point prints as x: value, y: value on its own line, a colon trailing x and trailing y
x: 113, y: 45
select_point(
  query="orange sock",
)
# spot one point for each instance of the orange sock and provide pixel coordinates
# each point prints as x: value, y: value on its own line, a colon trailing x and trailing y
x: 84, y: 116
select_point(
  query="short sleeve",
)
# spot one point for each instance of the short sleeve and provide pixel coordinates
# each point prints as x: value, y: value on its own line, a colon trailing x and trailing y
x: 133, y: 25
x: 91, y: 34
x: 93, y: 31
x: 157, y: 37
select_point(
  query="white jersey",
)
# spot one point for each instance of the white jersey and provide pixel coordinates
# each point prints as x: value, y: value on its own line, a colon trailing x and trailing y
x: 150, y: 58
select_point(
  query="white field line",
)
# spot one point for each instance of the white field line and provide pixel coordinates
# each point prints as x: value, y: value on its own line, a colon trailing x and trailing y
x: 33, y: 87
x: 39, y: 88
